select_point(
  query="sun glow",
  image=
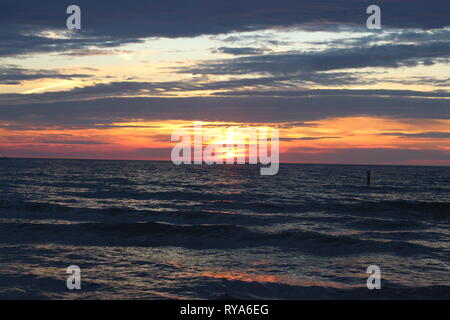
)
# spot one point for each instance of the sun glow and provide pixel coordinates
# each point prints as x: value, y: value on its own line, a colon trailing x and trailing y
x: 152, y: 139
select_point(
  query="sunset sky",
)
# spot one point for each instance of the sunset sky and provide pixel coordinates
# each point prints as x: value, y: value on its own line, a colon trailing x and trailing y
x: 138, y: 70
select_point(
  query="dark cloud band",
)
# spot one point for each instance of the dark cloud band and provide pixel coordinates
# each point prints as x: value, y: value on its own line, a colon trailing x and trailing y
x: 109, y: 23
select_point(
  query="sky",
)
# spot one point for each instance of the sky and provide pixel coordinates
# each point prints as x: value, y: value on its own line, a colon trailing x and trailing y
x: 137, y: 70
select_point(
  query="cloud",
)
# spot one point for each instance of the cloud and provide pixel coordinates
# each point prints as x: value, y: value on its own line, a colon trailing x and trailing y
x: 386, y: 56
x: 112, y: 23
x: 338, y: 92
x: 307, y: 138
x: 133, y: 88
x: 366, y: 156
x: 74, y: 142
x: 106, y: 111
x: 20, y: 42
x: 239, y: 51
x: 95, y: 52
x: 49, y: 139
x: 424, y: 135
x: 13, y: 75
x: 397, y: 36
x: 68, y: 142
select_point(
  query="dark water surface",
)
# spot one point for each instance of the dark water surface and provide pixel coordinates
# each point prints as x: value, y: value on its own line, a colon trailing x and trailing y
x: 152, y: 230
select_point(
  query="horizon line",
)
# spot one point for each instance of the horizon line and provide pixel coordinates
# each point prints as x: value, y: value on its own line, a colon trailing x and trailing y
x: 283, y: 163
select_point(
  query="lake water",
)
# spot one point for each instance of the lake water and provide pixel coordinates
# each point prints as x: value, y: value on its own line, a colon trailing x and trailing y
x: 153, y: 230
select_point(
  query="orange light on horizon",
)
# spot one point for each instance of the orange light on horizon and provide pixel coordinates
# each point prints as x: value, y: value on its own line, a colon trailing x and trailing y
x: 146, y: 140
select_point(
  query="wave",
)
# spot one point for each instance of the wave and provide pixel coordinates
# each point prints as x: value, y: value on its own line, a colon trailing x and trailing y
x: 419, y: 209
x: 241, y: 290
x: 257, y: 203
x: 200, y: 237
